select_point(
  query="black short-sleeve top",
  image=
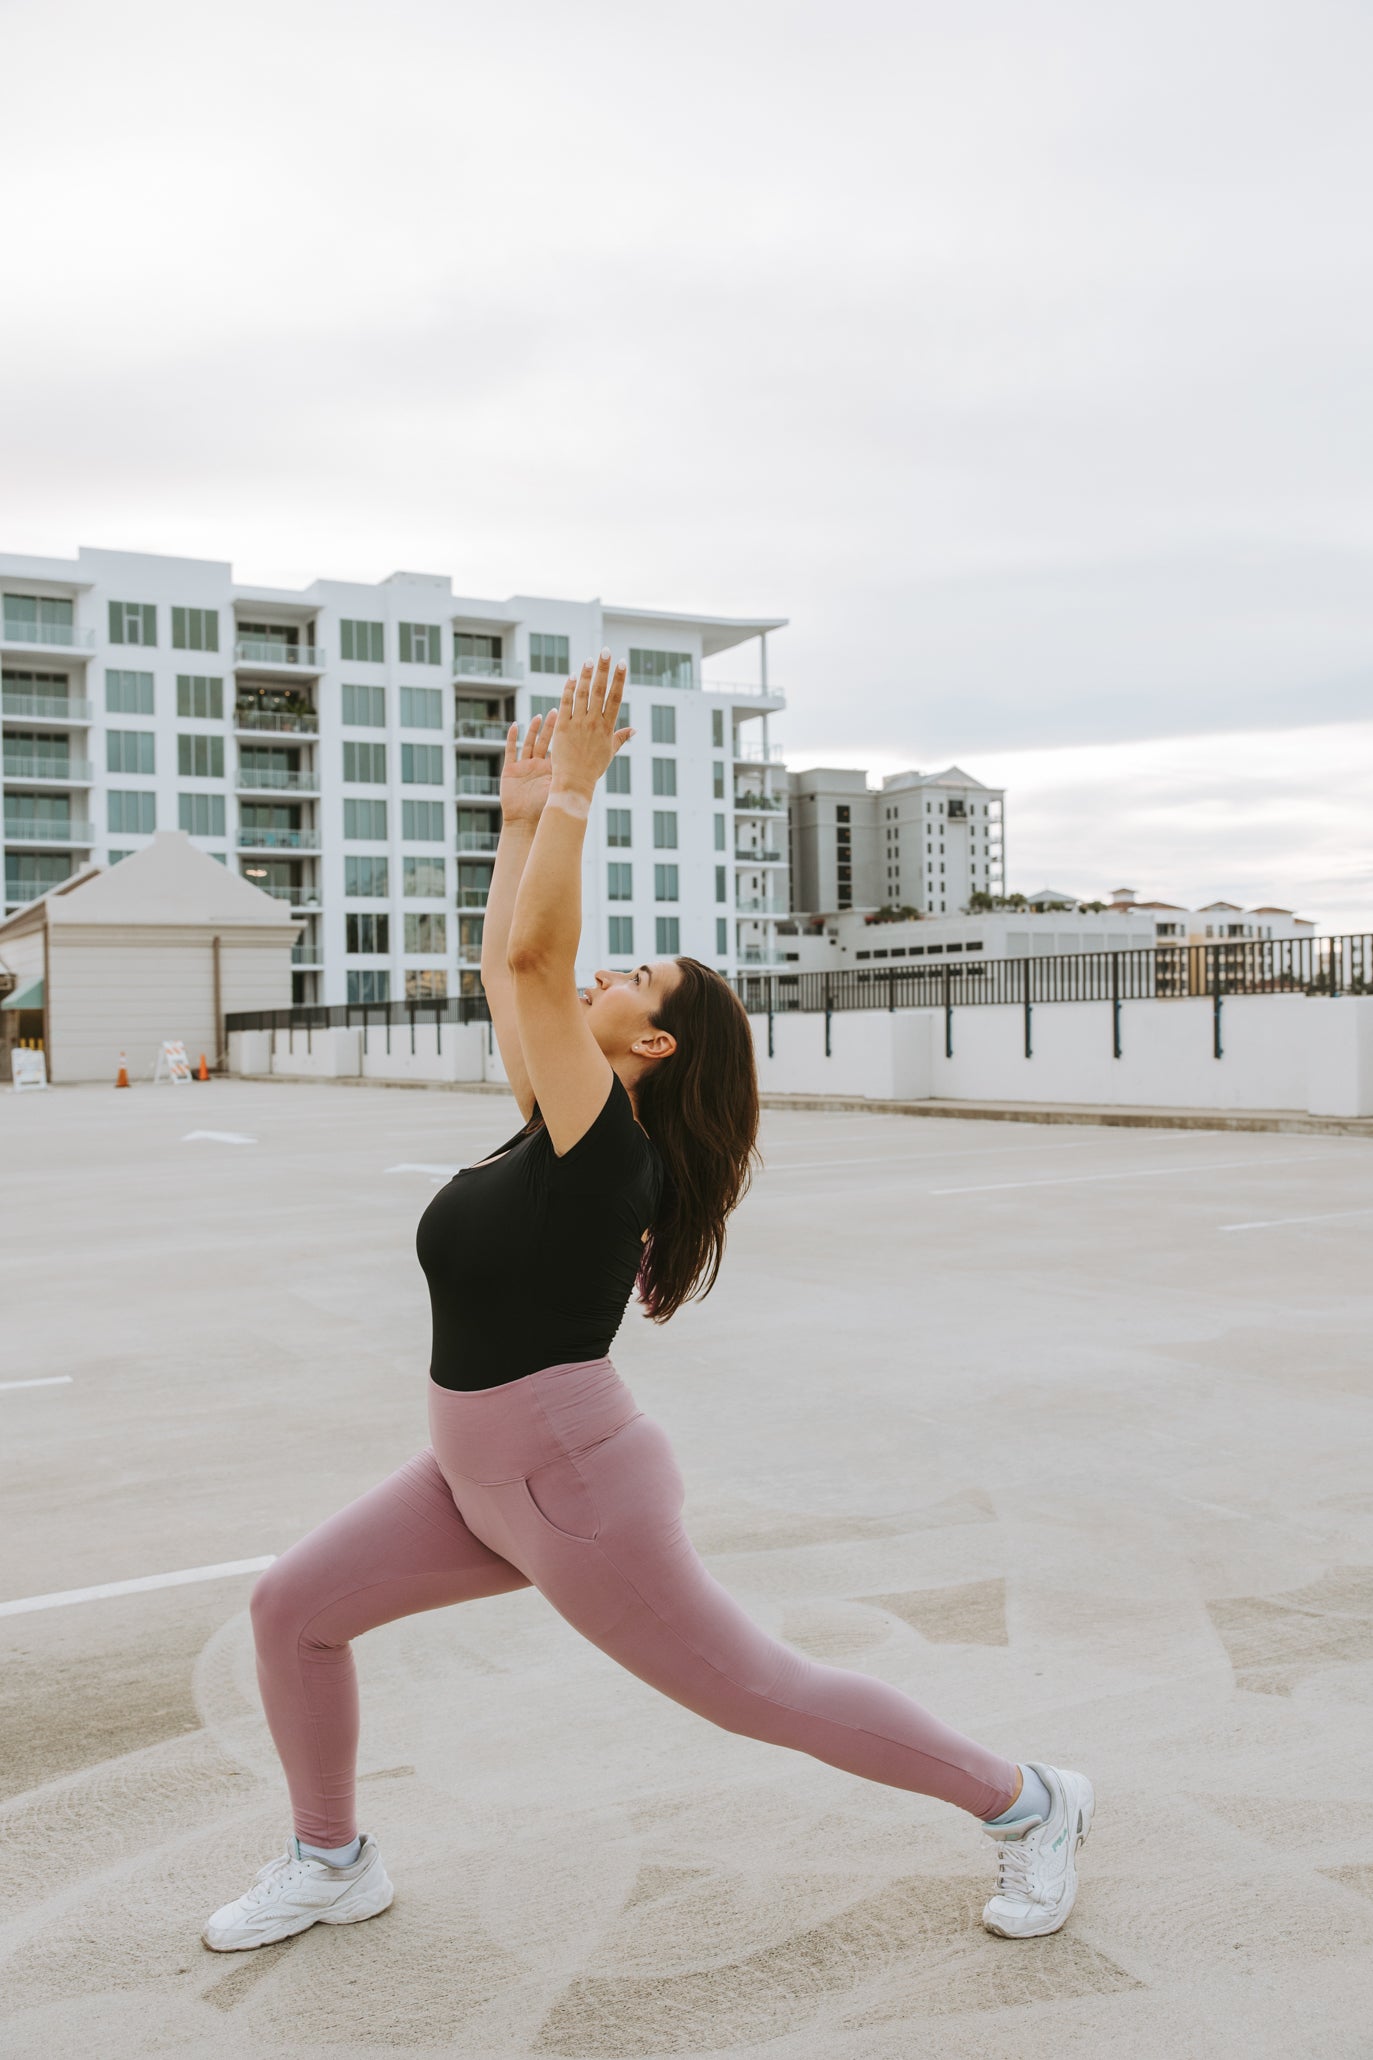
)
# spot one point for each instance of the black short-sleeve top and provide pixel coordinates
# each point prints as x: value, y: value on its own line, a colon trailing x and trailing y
x: 530, y: 1258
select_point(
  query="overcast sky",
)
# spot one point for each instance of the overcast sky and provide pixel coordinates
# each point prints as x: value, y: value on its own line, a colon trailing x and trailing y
x: 1018, y: 354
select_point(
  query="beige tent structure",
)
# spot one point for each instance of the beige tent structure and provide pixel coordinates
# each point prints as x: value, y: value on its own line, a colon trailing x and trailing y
x: 162, y: 945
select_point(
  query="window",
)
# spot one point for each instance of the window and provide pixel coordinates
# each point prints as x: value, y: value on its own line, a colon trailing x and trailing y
x: 365, y: 707
x: 617, y: 772
x: 364, y: 819
x: 424, y: 878
x: 129, y: 693
x: 619, y: 881
x: 133, y: 622
x: 132, y: 811
x: 668, y: 934
x: 364, y: 642
x: 618, y: 822
x: 421, y: 708
x: 659, y: 668
x: 199, y: 758
x: 621, y: 934
x: 664, y: 724
x: 426, y: 983
x: 199, y: 698
x: 365, y: 764
x: 475, y: 652
x: 370, y: 986
x: 419, y: 643
x: 194, y: 629
x: 366, y: 879
x: 665, y: 883
x: 718, y: 772
x: 202, y: 814
x: 717, y: 728
x: 115, y: 857
x: 427, y: 932
x: 129, y: 751
x: 722, y: 936
x: 719, y: 833
x: 27, y: 616
x: 547, y: 654
x: 540, y: 704
x: 422, y: 822
x: 721, y: 891
x: 421, y: 765
x: 367, y: 931
x: 665, y: 829
x: 665, y: 776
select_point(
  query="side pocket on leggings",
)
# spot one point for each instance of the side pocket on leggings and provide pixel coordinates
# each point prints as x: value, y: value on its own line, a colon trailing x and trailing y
x: 564, y: 1501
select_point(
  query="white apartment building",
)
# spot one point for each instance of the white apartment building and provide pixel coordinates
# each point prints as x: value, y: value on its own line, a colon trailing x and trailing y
x: 926, y: 840
x: 340, y: 746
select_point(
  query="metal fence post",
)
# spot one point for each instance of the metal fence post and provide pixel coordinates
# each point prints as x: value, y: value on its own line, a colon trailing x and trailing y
x: 828, y: 1009
x: 1115, y: 1004
x: 948, y: 1015
x: 769, y: 1027
x: 1215, y: 1001
x: 1028, y: 1052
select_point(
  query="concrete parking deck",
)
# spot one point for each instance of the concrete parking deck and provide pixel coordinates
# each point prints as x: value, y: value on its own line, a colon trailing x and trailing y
x: 1065, y: 1431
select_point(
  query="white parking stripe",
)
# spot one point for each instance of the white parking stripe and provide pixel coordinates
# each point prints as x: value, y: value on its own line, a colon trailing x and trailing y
x: 1272, y: 1222
x: 219, y: 1137
x: 63, y: 1596
x: 51, y: 1380
x: 1137, y: 1173
x: 414, y: 1166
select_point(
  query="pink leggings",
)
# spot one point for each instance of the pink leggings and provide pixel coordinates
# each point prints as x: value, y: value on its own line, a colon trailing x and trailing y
x: 560, y: 1481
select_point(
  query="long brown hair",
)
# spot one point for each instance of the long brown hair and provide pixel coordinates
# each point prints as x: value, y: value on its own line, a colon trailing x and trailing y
x: 700, y: 1107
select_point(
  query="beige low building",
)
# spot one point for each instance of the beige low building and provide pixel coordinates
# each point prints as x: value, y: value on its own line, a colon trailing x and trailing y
x: 119, y: 958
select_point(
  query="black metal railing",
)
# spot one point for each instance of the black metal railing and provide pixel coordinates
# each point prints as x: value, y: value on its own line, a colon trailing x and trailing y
x: 363, y: 1015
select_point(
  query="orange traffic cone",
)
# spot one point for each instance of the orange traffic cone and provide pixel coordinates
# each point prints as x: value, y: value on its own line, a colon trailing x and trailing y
x: 123, y: 1079
x: 204, y: 1072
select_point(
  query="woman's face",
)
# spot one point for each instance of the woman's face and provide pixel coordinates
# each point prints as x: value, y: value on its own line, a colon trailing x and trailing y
x: 620, y: 1003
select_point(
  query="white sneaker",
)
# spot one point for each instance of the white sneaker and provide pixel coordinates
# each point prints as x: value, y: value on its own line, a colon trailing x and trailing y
x: 290, y: 1895
x: 1036, y: 1880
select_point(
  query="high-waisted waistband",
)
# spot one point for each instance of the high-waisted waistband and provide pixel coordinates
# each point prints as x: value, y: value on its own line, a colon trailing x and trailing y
x: 502, y: 1434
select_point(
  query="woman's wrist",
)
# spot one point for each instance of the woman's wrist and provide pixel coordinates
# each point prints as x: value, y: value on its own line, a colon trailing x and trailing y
x: 573, y: 799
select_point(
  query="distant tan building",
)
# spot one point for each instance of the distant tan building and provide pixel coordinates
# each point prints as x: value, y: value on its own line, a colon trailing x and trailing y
x: 162, y: 945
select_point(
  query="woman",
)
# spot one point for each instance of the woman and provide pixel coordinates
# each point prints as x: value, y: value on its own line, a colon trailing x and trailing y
x: 640, y: 1101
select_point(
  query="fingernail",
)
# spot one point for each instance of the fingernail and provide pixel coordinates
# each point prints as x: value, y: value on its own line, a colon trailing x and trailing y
x: 605, y: 650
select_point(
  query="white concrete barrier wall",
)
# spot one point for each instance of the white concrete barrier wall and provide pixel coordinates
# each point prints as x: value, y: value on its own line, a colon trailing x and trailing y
x: 441, y: 1051
x: 317, y: 1054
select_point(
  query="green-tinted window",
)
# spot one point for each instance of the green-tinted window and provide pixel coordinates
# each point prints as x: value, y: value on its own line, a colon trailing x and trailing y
x: 32, y: 619
x: 200, y: 758
x: 425, y: 878
x: 665, y: 776
x: 621, y: 934
x: 366, y: 878
x: 719, y: 833
x: 419, y: 643
x: 665, y: 883
x: 667, y: 935
x: 619, y: 881
x: 134, y: 810
x: 365, y: 820
x: 365, y: 707
x: 547, y: 654
x: 717, y: 728
x: 133, y: 622
x: 199, y: 697
x: 130, y: 751
x: 722, y: 936
x: 421, y: 765
x: 616, y: 773
x: 659, y: 668
x: 426, y: 983
x: 366, y: 931
x: 665, y: 829
x: 618, y: 823
x: 371, y: 985
x: 422, y: 822
x: 540, y: 704
x: 426, y: 932
x: 362, y: 641
x: 664, y: 724
x: 129, y: 693
x: 718, y: 770
x: 721, y: 889
x: 421, y: 708
x: 364, y: 764
x: 194, y: 629
x: 202, y: 814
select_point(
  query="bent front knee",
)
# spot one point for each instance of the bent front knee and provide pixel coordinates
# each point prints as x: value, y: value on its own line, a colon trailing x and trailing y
x: 279, y: 1605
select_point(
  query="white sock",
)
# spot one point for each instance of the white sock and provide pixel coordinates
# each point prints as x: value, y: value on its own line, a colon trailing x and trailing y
x: 1034, y: 1800
x: 332, y: 1856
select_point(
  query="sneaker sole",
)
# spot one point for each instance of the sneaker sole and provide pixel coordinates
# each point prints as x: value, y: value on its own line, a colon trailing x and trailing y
x: 1086, y: 1811
x: 274, y: 1938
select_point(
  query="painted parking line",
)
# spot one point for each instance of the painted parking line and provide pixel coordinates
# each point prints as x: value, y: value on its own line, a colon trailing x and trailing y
x: 1272, y: 1222
x: 438, y: 1173
x: 1138, y: 1173
x: 219, y: 1137
x: 64, y: 1596
x: 51, y: 1380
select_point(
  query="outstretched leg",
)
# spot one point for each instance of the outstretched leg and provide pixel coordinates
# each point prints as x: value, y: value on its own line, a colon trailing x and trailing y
x: 401, y: 1548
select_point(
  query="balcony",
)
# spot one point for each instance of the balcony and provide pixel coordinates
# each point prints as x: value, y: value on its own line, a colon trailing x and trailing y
x: 19, y: 634
x: 307, y: 956
x: 755, y: 955
x: 54, y: 708
x: 259, y: 654
x: 278, y: 840
x: 468, y: 665
x: 482, y: 841
x: 681, y: 677
x: 756, y: 754
x: 760, y: 857
x: 480, y: 732
x: 759, y: 906
x: 745, y: 690
x: 758, y: 804
x: 277, y: 780
x: 23, y: 769
x: 58, y: 834
x: 295, y: 897
x: 294, y: 722
x: 479, y: 784
x: 472, y: 897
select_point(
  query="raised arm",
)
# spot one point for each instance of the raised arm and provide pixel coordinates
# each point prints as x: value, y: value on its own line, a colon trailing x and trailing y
x: 525, y: 778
